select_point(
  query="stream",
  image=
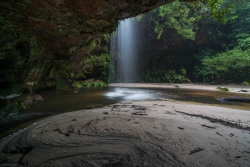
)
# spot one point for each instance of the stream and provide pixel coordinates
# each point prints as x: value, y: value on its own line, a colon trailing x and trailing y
x: 56, y: 102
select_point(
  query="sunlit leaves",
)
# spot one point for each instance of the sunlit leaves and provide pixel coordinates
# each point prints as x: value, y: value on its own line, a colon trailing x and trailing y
x: 238, y: 18
x: 139, y: 17
x: 232, y: 64
x: 159, y: 30
x: 215, y: 8
x: 176, y: 16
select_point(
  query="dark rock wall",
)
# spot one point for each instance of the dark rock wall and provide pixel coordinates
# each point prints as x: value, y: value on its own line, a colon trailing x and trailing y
x: 62, y: 24
x: 52, y: 38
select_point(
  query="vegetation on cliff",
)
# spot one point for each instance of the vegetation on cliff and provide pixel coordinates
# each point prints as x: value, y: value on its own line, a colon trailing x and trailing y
x: 209, y: 42
x: 179, y: 40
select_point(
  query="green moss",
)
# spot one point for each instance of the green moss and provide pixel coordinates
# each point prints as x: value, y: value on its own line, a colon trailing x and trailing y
x: 96, y: 84
x: 87, y: 84
x: 106, y: 37
x: 11, y: 106
x: 90, y: 45
x: 245, y: 83
x: 222, y: 88
x: 72, y: 49
x: 36, y: 50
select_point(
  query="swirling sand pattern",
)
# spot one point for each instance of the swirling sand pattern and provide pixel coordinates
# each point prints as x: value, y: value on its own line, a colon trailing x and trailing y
x: 90, y: 140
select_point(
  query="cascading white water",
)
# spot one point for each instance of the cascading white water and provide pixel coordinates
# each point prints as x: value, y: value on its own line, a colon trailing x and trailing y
x: 123, y: 53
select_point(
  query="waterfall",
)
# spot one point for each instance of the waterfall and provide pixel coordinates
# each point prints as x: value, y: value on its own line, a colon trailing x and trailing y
x: 124, y: 66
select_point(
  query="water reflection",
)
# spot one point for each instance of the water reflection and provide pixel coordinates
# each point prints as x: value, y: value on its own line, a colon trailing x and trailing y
x: 130, y: 94
x: 56, y: 102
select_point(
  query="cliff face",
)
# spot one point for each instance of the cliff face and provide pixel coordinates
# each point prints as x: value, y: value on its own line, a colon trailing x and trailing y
x: 62, y: 24
x: 61, y: 33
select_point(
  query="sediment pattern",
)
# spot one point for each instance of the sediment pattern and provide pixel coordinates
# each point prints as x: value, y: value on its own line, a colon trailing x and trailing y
x: 90, y: 140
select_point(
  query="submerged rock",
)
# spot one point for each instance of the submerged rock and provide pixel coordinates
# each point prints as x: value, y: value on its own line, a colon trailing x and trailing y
x: 240, y: 99
x: 30, y: 98
x: 243, y: 90
x: 70, y: 91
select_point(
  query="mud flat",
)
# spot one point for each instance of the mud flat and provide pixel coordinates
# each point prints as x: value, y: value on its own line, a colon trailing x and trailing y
x: 143, y: 133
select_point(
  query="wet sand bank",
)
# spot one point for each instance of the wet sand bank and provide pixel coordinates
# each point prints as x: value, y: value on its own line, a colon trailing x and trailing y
x: 143, y: 133
x: 209, y: 87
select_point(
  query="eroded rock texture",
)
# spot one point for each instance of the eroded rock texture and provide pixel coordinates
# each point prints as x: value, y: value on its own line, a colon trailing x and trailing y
x: 61, y: 24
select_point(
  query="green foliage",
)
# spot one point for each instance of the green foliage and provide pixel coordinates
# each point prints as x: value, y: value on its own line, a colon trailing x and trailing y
x: 159, y: 75
x: 63, y: 75
x: 30, y: 90
x: 172, y: 77
x: 97, y: 60
x: 87, y: 84
x: 230, y: 60
x: 106, y: 37
x: 80, y: 75
x: 229, y: 65
x: 222, y: 88
x: 22, y: 106
x: 72, y: 75
x: 175, y: 15
x: 78, y: 69
x: 99, y: 63
x: 36, y: 50
x: 102, y: 84
x: 245, y: 83
x: 216, y: 8
x: 238, y: 19
x: 183, y: 71
x: 72, y: 49
x: 78, y: 85
x: 96, y: 84
x: 200, y: 71
x: 90, y: 45
x: 180, y: 16
x: 111, y: 77
x: 13, y: 106
x: 139, y: 17
x: 105, y: 73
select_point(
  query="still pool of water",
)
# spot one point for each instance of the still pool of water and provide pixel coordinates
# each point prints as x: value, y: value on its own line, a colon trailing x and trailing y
x: 56, y: 102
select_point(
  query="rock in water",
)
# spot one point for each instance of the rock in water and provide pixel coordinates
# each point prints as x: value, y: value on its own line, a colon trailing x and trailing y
x: 30, y: 98
x: 240, y: 99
